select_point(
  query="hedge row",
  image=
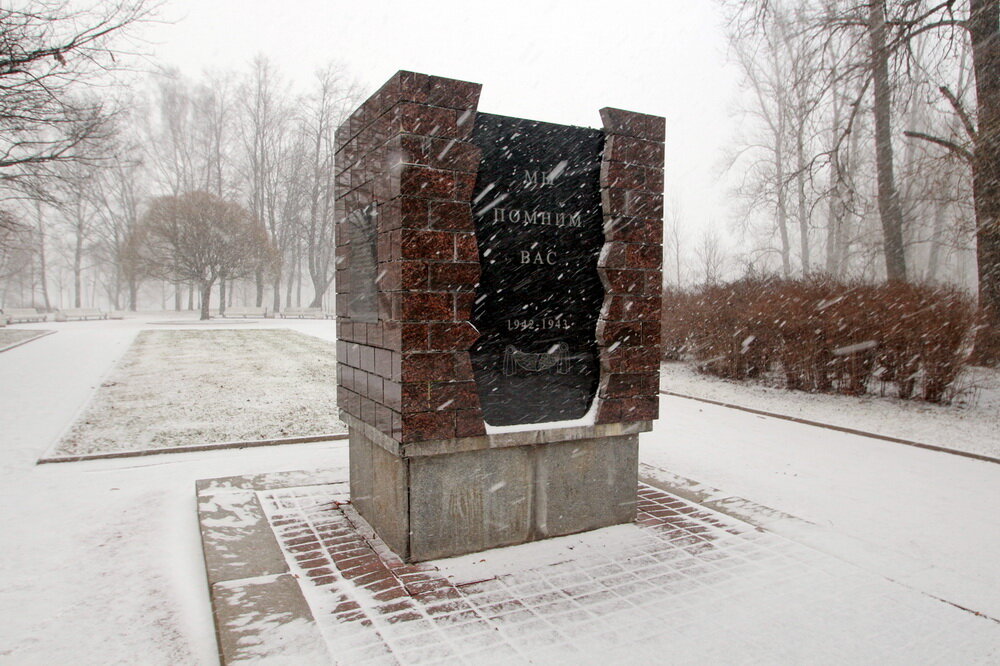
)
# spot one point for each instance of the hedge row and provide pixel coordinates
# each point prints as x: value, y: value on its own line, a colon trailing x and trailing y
x: 823, y: 335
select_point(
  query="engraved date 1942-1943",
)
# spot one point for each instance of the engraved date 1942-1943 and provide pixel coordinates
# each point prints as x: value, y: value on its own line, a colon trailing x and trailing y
x: 557, y: 323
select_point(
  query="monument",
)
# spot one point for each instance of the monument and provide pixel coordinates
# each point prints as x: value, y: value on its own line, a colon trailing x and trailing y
x: 498, y: 315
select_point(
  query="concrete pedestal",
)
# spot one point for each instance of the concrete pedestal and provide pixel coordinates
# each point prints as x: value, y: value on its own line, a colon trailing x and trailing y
x: 438, y: 499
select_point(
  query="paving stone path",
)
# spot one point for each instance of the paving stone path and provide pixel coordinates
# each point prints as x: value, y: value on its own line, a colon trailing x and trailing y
x: 682, y: 585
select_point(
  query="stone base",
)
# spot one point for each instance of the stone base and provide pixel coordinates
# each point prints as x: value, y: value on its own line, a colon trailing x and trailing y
x: 443, y: 498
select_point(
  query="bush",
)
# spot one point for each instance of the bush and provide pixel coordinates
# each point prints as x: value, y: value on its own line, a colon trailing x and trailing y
x: 823, y: 335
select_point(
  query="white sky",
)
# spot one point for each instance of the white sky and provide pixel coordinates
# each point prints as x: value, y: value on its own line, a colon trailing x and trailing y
x: 556, y: 60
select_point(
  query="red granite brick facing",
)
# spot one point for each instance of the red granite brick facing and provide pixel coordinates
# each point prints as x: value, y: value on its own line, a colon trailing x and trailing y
x: 451, y: 216
x: 469, y: 423
x: 406, y: 149
x: 651, y: 334
x: 626, y: 385
x: 459, y: 335
x: 619, y: 307
x: 453, y: 395
x: 634, y: 151
x: 608, y: 411
x: 415, y: 397
x: 624, y: 281
x: 633, y: 203
x: 423, y: 426
x: 414, y: 118
x: 422, y: 306
x: 630, y: 265
x: 629, y: 123
x: 413, y: 212
x: 623, y: 175
x: 427, y: 367
x: 466, y: 248
x: 429, y: 245
x: 621, y: 333
x: 640, y: 408
x: 448, y: 154
x: 415, y: 336
x: 633, y: 230
x: 463, y: 306
x: 454, y: 276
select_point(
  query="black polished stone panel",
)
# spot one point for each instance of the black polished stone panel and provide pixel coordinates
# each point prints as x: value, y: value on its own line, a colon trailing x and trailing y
x: 537, y: 210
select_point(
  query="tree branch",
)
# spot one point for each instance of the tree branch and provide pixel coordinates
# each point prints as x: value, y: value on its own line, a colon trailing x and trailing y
x: 961, y: 151
x: 956, y: 104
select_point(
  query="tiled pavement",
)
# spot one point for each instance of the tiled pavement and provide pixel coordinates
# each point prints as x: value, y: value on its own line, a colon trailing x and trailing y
x: 683, y: 585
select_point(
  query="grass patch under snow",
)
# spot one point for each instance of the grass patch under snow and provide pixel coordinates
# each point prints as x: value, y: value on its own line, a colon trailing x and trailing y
x: 15, y: 336
x: 181, y: 388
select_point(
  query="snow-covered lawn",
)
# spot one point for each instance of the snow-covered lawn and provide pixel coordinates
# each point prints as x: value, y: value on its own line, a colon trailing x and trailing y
x: 971, y: 423
x: 13, y: 336
x: 189, y: 387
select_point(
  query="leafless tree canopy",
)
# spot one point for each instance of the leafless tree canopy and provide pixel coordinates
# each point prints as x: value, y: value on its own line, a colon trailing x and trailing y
x: 54, y: 54
x: 197, y: 237
x: 873, y: 137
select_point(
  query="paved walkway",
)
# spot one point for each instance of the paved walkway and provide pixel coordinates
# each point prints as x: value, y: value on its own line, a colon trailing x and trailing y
x: 683, y: 585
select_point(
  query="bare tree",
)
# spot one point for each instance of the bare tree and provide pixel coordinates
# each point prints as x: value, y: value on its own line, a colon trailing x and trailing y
x: 265, y: 134
x: 79, y: 218
x: 116, y: 195
x: 52, y: 51
x: 197, y: 237
x: 711, y: 256
x: 890, y: 211
x: 332, y: 99
x: 16, y: 245
x: 984, y: 30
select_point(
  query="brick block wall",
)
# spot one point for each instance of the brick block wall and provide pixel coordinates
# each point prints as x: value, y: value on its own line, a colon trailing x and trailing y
x: 630, y: 266
x: 406, y: 150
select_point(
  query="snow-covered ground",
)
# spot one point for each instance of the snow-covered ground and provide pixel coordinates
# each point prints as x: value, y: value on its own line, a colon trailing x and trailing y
x: 100, y: 561
x: 971, y: 423
x: 927, y: 519
x: 191, y: 387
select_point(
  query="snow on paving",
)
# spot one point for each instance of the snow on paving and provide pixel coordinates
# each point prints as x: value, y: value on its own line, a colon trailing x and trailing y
x: 925, y: 517
x: 683, y: 585
x: 101, y: 561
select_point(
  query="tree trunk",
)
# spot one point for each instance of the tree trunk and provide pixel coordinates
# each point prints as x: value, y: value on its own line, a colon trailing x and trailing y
x: 786, y: 262
x: 834, y: 221
x: 276, y: 289
x: 206, y: 299
x: 984, y: 29
x: 133, y: 295
x: 937, y: 232
x: 298, y: 281
x: 259, y: 281
x: 177, y: 297
x: 890, y: 212
x: 41, y: 258
x: 803, y: 206
x: 222, y: 295
x: 317, y: 300
x: 77, y: 270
